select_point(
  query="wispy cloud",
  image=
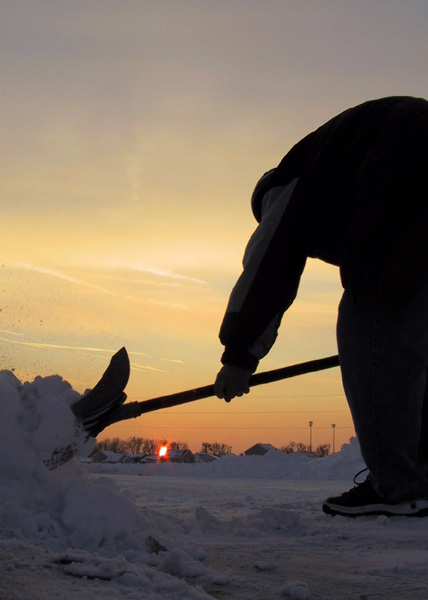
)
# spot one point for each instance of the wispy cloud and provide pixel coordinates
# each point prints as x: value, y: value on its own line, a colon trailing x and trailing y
x: 65, y: 347
x: 7, y: 332
x: 167, y: 273
x: 57, y: 274
x: 134, y: 366
x: 150, y: 270
x: 57, y: 346
x: 174, y: 360
x: 144, y: 368
x: 83, y: 283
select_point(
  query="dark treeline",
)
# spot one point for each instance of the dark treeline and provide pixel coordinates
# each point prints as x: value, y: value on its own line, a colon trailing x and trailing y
x: 215, y: 448
x: 139, y: 445
x: 135, y: 445
x: 321, y: 450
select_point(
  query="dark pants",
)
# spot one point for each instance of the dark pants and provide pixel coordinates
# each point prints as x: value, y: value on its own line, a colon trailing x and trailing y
x: 383, y: 349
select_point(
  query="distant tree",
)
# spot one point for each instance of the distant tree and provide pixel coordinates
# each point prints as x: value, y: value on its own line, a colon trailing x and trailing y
x: 221, y: 449
x: 323, y: 450
x: 99, y: 446
x: 102, y: 445
x: 294, y: 447
x: 178, y: 446
x: 110, y: 445
x: 117, y: 445
x: 134, y: 444
x: 215, y: 448
x: 289, y: 448
x: 149, y: 446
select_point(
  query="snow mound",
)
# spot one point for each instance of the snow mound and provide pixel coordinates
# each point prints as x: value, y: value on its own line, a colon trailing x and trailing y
x: 60, y: 507
x: 85, y: 526
x: 297, y: 590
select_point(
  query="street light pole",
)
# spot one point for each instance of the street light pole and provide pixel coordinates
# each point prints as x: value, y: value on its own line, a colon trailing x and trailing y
x: 310, y: 436
x: 334, y: 437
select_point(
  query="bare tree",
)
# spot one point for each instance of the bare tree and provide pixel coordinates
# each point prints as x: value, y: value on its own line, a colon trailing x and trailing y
x: 294, y: 447
x: 149, y: 446
x: 102, y: 445
x: 215, y: 448
x: 117, y: 445
x: 134, y: 444
x: 178, y: 446
x: 323, y: 450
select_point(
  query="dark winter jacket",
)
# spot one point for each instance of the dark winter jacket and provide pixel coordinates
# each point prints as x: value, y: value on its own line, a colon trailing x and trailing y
x: 353, y: 193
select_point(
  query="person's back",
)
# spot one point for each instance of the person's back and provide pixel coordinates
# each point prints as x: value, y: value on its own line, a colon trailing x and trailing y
x: 353, y: 183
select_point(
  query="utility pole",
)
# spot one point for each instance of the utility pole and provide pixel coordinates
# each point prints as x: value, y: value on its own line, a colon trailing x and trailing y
x: 334, y: 437
x: 310, y: 436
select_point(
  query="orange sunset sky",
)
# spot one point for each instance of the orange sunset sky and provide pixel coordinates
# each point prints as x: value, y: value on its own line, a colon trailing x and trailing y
x: 133, y: 133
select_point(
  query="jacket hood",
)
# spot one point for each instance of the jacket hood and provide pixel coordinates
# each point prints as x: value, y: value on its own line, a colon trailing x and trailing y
x: 259, y: 191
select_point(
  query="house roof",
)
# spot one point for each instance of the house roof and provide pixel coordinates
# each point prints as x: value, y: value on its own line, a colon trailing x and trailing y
x: 260, y: 449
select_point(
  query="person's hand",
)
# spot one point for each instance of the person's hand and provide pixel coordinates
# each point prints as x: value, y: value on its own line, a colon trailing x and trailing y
x: 232, y: 381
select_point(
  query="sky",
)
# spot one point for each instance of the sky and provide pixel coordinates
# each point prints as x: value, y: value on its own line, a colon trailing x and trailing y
x: 133, y: 134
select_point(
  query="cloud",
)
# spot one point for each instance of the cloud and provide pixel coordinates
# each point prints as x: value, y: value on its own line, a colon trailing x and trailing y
x: 144, y: 368
x: 56, y: 346
x: 134, y: 366
x: 168, y: 273
x: 7, y: 332
x: 150, y: 270
x: 83, y: 283
x: 57, y: 274
x: 174, y: 360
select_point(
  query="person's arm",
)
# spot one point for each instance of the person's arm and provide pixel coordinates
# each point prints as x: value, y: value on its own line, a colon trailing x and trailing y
x: 273, y: 263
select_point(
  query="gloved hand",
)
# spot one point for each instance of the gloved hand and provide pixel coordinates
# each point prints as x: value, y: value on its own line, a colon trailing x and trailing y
x: 232, y: 381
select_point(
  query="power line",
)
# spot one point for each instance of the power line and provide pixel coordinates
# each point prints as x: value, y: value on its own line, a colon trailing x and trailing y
x: 240, y: 428
x: 258, y: 412
x: 292, y: 396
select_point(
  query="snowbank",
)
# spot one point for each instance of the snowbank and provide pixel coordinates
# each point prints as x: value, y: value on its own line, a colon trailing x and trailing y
x: 86, y: 526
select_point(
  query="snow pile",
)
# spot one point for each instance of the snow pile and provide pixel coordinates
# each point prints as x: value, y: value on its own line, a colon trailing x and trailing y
x: 87, y: 527
x: 35, y: 421
x: 297, y: 466
x: 297, y: 590
x: 59, y: 507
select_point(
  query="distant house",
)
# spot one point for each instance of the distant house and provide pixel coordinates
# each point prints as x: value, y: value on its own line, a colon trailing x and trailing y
x: 106, y: 456
x: 204, y: 457
x: 149, y: 458
x: 259, y: 450
x: 133, y: 458
x: 180, y: 456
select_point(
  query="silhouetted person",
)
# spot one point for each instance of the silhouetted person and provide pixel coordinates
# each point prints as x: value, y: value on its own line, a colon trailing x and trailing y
x: 353, y: 193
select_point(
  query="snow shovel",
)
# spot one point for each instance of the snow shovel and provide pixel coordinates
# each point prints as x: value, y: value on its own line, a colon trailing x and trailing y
x: 103, y: 405
x: 136, y: 409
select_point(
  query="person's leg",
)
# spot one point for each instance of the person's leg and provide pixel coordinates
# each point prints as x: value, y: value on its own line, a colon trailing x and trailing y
x: 383, y: 350
x: 423, y: 445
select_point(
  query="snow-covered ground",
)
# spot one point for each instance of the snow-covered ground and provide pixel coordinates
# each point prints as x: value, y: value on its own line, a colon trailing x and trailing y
x: 238, y: 528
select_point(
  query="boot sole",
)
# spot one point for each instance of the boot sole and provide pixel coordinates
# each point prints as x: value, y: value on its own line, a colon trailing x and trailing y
x: 414, y: 508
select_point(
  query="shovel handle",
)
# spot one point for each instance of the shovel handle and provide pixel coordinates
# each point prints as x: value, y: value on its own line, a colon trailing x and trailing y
x: 135, y: 409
